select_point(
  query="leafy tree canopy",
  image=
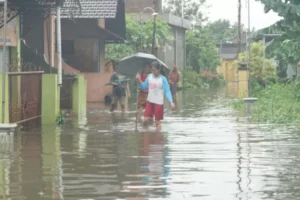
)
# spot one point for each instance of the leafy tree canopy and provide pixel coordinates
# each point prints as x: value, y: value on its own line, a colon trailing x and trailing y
x: 261, y: 69
x: 192, y: 10
x: 287, y: 47
x: 201, y: 51
x: 139, y: 38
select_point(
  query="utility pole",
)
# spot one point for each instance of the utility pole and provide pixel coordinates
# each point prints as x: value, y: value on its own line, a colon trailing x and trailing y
x: 154, y: 36
x: 58, y: 32
x: 239, y: 27
x: 4, y: 64
x: 249, y: 49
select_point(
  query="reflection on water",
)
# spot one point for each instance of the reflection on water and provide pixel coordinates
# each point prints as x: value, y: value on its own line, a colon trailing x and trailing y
x: 204, y: 152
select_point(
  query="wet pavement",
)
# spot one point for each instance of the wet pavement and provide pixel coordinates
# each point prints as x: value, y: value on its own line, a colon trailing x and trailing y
x: 204, y: 152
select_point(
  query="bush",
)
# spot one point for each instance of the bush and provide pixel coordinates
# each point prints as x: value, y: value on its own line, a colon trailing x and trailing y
x: 277, y: 103
x: 211, y: 79
x: 190, y: 79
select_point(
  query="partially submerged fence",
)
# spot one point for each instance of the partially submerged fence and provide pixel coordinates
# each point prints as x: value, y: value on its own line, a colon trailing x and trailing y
x: 25, y: 96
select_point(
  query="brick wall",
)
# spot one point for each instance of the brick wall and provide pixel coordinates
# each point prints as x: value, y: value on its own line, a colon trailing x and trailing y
x: 137, y: 6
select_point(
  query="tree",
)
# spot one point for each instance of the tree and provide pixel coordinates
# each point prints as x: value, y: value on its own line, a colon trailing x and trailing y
x: 201, y: 51
x: 192, y: 10
x: 287, y: 47
x: 221, y: 30
x: 140, y: 38
x: 261, y: 69
x: 285, y: 53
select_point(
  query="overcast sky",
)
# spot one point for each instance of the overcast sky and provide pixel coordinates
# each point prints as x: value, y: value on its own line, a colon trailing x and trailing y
x: 227, y: 9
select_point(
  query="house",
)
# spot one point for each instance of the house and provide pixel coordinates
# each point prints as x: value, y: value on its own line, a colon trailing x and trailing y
x: 31, y: 41
x: 237, y: 79
x: 86, y: 29
x: 25, y: 60
x: 228, y: 52
x: 175, y: 54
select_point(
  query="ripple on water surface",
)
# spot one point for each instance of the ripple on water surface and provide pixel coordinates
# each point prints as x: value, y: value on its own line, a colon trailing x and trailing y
x: 204, y: 152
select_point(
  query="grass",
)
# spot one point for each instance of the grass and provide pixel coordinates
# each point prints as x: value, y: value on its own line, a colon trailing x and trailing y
x: 277, y: 103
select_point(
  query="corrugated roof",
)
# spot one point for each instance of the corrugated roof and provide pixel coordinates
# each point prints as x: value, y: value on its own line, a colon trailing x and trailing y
x: 92, y: 9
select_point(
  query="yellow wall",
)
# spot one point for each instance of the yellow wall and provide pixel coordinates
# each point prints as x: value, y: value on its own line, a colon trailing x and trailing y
x: 243, y: 83
x: 228, y: 71
x: 237, y: 81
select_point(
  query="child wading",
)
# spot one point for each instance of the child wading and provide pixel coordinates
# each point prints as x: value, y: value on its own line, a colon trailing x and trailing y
x: 157, y: 86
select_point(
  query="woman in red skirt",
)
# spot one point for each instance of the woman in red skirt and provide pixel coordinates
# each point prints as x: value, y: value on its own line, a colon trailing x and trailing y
x: 157, y: 86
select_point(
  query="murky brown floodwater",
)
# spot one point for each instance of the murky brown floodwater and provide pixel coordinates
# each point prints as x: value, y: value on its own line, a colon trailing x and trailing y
x: 204, y: 152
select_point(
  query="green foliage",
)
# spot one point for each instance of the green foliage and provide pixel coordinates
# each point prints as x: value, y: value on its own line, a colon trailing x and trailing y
x: 61, y: 117
x: 190, y: 79
x: 139, y: 38
x: 261, y: 69
x: 192, y: 10
x: 212, y: 79
x: 277, y: 103
x: 201, y: 51
x: 285, y: 52
x: 221, y: 30
x: 286, y: 48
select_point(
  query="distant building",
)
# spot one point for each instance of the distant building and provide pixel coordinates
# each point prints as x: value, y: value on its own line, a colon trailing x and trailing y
x: 228, y: 52
x: 176, y: 53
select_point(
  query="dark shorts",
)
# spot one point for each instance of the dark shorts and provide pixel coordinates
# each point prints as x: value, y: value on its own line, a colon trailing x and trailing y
x: 116, y: 99
x: 155, y: 110
x: 173, y: 88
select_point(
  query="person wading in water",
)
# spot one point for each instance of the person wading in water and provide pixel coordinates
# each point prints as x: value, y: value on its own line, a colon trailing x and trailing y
x: 173, y: 80
x: 143, y: 94
x: 120, y: 88
x: 157, y: 86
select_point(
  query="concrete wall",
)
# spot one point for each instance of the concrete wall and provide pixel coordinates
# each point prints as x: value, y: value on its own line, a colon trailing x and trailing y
x: 229, y: 72
x: 237, y: 80
x: 50, y: 99
x: 6, y: 116
x: 79, y: 95
x: 96, y: 88
x: 175, y: 54
x: 243, y: 83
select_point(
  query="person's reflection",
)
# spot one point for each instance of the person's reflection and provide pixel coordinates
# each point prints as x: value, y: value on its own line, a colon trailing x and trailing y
x: 153, y: 150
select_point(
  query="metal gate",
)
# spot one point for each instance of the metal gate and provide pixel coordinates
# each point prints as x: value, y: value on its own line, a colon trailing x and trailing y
x: 25, y: 95
x: 66, y: 92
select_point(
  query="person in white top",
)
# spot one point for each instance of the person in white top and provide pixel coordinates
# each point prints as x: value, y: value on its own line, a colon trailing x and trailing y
x: 157, y: 86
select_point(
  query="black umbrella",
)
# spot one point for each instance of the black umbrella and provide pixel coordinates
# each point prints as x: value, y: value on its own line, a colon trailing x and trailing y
x: 131, y: 65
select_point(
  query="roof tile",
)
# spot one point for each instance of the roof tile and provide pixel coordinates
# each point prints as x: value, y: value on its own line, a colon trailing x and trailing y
x: 97, y: 9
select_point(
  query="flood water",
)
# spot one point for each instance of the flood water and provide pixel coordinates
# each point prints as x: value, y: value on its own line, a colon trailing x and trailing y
x: 204, y: 152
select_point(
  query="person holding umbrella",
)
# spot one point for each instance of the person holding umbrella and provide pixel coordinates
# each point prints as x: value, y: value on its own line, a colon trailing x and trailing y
x: 157, y: 86
x: 143, y: 93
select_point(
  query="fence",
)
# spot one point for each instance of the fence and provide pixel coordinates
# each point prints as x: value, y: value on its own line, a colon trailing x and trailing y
x: 66, y: 91
x: 25, y: 95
